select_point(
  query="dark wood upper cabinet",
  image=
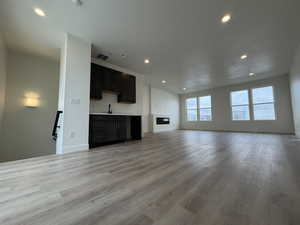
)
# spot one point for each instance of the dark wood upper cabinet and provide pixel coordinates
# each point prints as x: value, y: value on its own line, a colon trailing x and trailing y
x: 106, y: 79
x: 96, y: 82
x: 110, y: 80
x: 128, y: 87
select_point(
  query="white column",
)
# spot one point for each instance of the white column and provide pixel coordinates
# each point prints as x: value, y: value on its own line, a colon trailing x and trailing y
x: 74, y: 95
x: 295, y: 93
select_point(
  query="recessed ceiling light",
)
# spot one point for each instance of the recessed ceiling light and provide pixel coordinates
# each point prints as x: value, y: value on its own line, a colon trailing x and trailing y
x: 39, y: 12
x: 244, y: 57
x: 251, y: 74
x: 163, y: 81
x: 226, y: 18
x: 147, y: 61
x: 184, y: 89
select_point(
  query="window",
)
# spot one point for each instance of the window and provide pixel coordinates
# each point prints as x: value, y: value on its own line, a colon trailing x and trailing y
x: 199, y: 108
x: 263, y: 103
x: 240, y: 105
x: 191, y: 109
x: 205, y: 108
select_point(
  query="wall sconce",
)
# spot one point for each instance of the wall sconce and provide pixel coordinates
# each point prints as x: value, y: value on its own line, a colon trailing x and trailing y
x: 31, y: 100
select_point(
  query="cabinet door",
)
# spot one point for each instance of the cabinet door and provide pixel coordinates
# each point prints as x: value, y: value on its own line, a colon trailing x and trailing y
x: 110, y: 80
x: 136, y: 127
x: 96, y: 82
x: 107, y: 129
x: 102, y: 131
x: 116, y: 77
x: 106, y: 79
x: 128, y: 89
x: 91, y: 134
x: 132, y: 89
x: 122, y: 128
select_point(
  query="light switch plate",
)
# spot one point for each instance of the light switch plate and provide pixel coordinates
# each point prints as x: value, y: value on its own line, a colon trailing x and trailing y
x: 75, y: 101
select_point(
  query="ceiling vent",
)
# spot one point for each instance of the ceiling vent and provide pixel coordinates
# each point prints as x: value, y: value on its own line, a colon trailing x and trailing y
x: 103, y: 57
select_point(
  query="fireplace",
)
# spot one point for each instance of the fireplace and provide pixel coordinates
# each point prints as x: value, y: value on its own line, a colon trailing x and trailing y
x: 162, y: 120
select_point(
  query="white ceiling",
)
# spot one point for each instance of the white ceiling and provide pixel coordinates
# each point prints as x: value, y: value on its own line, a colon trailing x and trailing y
x: 184, y: 39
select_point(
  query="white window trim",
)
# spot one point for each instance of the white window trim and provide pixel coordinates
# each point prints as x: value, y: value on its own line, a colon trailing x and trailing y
x: 251, y: 105
x: 186, y: 110
x: 274, y: 102
x: 249, y: 108
x: 199, y: 108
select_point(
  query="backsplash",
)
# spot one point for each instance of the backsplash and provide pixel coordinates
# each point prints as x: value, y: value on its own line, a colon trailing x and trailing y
x: 99, y: 106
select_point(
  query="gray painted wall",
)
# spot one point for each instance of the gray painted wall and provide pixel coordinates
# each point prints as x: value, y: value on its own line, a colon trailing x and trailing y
x: 222, y: 109
x: 295, y: 91
x: 2, y: 79
x: 27, y: 131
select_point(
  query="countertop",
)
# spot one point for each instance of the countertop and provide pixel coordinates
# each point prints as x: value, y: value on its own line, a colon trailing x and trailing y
x: 115, y: 114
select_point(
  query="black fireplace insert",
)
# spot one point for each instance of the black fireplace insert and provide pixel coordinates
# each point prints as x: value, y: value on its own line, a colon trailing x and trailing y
x: 162, y: 120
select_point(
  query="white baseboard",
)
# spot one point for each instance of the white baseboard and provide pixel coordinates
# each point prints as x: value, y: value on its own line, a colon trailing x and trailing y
x: 241, y: 131
x: 75, y: 148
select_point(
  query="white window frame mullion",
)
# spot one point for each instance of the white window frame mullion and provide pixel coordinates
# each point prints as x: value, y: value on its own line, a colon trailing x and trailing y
x: 198, y: 108
x: 251, y: 108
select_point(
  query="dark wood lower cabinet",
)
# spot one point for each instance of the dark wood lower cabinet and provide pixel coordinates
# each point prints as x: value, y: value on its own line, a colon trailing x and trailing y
x: 108, y: 129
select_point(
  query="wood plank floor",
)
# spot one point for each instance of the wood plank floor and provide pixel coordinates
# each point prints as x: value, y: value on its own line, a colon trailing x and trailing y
x: 174, y: 178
